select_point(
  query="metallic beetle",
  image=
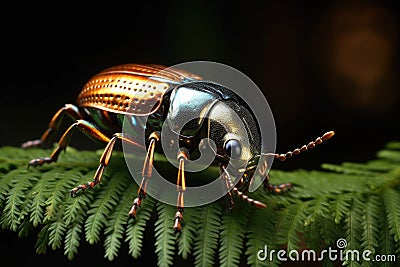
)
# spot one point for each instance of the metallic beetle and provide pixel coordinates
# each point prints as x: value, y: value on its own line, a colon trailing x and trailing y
x: 157, y: 92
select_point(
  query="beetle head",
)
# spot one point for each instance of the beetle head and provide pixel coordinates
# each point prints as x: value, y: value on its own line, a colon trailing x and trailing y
x: 211, y: 116
x: 234, y: 131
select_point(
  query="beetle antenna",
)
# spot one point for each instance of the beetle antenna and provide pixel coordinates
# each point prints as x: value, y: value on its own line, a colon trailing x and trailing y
x: 318, y: 141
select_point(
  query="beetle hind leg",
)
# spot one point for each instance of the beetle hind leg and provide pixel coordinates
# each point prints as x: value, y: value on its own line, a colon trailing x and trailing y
x: 44, y: 141
x: 85, y: 126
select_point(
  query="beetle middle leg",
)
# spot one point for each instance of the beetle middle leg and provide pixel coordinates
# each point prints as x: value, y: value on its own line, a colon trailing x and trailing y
x: 146, y: 174
x: 104, y: 161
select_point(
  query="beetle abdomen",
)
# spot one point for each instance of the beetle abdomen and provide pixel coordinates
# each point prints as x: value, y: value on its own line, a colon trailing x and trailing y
x: 131, y: 88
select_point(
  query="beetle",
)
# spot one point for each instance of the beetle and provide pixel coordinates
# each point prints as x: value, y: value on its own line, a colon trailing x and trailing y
x: 158, y: 92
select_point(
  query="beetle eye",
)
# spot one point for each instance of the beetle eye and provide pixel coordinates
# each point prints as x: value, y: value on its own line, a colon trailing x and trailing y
x: 233, y: 149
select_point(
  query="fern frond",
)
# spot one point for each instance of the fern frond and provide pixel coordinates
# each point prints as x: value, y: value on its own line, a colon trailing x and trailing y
x: 11, y: 216
x: 317, y: 207
x: 25, y: 227
x: 353, y: 228
x: 186, y: 237
x: 340, y: 207
x: 134, y: 231
x: 74, y: 207
x: 40, y: 193
x: 42, y: 240
x: 323, y: 232
x: 165, y: 236
x: 6, y: 183
x: 260, y: 221
x: 291, y: 223
x: 116, y: 223
x: 320, y: 228
x: 373, y: 166
x: 73, y: 236
x: 74, y: 216
x: 392, y: 203
x: 232, y: 234
x: 62, y: 183
x: 57, y: 230
x: 207, y: 234
x: 100, y: 209
x: 369, y: 221
x: 386, y: 240
x: 310, y: 184
x: 347, y: 169
x: 394, y: 145
x: 391, y: 155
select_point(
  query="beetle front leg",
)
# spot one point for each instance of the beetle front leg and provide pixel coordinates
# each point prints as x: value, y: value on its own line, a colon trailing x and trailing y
x: 243, y: 196
x: 228, y: 185
x: 71, y: 110
x: 146, y: 173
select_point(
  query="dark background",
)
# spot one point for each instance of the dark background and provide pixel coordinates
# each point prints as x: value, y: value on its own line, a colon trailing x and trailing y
x: 326, y: 65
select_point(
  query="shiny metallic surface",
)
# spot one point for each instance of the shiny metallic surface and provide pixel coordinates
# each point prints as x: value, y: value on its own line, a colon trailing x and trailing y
x: 131, y: 88
x: 183, y: 117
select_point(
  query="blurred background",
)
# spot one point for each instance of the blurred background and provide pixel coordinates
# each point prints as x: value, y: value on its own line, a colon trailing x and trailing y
x: 322, y: 65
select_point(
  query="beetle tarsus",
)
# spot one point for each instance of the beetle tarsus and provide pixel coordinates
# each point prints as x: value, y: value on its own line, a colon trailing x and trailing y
x: 32, y: 143
x: 278, y: 189
x: 40, y: 162
x: 135, y: 207
x: 178, y: 219
x: 74, y: 191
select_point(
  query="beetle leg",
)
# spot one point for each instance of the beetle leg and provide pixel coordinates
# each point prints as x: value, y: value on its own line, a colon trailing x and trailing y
x: 146, y: 172
x: 229, y: 185
x: 276, y: 189
x: 85, y: 126
x: 240, y: 194
x: 104, y: 161
x: 71, y: 110
x: 180, y: 187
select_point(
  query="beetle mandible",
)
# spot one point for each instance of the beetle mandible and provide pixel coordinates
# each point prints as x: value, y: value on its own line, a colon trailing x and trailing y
x: 156, y: 91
